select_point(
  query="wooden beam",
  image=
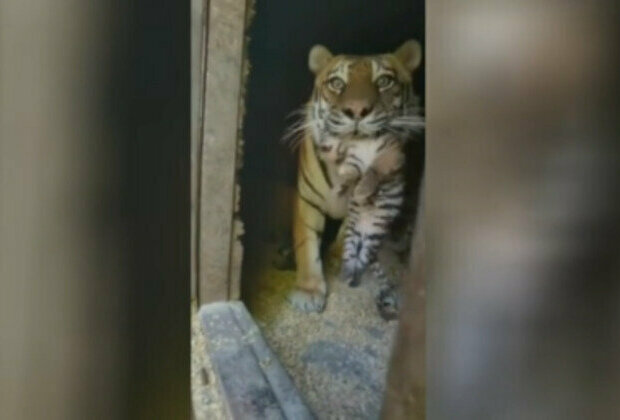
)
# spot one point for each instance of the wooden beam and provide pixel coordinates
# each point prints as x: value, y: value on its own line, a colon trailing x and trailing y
x: 218, y: 155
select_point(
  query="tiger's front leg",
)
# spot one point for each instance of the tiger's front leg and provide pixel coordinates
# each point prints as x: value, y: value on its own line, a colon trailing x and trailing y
x: 310, y: 289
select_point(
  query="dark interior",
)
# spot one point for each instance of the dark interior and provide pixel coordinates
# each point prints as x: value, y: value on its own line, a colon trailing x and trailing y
x: 281, y: 35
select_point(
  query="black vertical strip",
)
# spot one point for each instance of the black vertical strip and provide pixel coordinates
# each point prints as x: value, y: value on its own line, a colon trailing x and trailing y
x: 203, y: 71
x: 150, y: 77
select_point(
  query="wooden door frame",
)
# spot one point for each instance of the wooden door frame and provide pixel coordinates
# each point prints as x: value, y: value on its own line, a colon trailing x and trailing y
x: 216, y: 152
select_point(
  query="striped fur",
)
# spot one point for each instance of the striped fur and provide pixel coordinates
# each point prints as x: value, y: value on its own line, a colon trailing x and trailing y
x: 376, y: 201
x: 358, y: 104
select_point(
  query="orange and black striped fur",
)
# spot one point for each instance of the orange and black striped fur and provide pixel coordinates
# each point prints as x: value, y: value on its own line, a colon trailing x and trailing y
x: 359, y: 103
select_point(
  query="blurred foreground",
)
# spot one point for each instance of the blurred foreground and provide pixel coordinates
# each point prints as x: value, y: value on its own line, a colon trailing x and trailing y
x: 522, y: 210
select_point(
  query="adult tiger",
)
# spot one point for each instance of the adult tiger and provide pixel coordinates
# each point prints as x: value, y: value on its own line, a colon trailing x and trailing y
x: 353, y: 96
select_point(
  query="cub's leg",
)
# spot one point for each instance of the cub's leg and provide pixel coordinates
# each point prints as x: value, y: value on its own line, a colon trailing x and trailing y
x: 367, y: 186
x: 310, y: 289
x: 348, y: 173
x: 361, y: 242
x: 351, y: 268
x: 352, y: 167
x: 388, y: 298
x: 360, y: 250
x: 368, y: 226
x: 388, y: 162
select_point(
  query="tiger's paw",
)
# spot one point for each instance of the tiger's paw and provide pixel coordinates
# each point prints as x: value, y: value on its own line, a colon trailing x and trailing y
x: 308, y: 300
x: 388, y: 302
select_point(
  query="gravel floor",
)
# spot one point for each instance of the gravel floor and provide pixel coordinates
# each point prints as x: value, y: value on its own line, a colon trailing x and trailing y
x: 338, y: 359
x: 206, y: 398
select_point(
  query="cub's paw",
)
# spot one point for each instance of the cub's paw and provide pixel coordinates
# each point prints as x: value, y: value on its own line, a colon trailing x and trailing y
x: 388, y: 302
x: 348, y: 173
x: 350, y: 275
x: 364, y: 192
x: 305, y: 300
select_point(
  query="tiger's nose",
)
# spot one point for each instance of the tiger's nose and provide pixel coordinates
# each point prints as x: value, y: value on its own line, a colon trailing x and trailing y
x: 357, y: 110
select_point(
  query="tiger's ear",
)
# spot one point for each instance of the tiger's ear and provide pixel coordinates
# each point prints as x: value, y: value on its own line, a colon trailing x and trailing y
x: 318, y: 58
x: 410, y: 54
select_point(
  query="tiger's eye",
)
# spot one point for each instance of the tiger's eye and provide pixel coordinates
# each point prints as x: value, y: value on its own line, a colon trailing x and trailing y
x: 385, y: 82
x: 336, y: 83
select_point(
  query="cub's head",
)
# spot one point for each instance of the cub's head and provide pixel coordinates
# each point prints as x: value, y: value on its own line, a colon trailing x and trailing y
x: 364, y: 96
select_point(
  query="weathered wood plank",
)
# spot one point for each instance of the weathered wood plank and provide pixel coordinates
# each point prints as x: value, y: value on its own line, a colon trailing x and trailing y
x: 254, y: 383
x: 224, y: 58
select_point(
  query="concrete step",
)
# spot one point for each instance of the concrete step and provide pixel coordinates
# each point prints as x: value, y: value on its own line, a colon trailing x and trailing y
x: 253, y: 382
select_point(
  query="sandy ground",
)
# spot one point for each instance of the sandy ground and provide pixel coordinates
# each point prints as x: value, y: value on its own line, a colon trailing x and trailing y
x: 206, y: 399
x: 338, y: 359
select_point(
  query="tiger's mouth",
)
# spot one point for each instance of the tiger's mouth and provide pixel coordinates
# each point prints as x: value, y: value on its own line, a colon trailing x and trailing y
x: 371, y: 126
x: 340, y: 125
x: 398, y: 123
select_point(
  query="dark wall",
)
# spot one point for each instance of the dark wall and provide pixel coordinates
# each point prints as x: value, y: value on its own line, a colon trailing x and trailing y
x: 282, y: 33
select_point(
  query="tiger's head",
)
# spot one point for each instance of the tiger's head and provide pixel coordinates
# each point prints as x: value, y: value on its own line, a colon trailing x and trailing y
x: 364, y: 96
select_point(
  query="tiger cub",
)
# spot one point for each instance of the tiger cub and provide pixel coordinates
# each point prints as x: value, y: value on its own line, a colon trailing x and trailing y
x: 373, y: 168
